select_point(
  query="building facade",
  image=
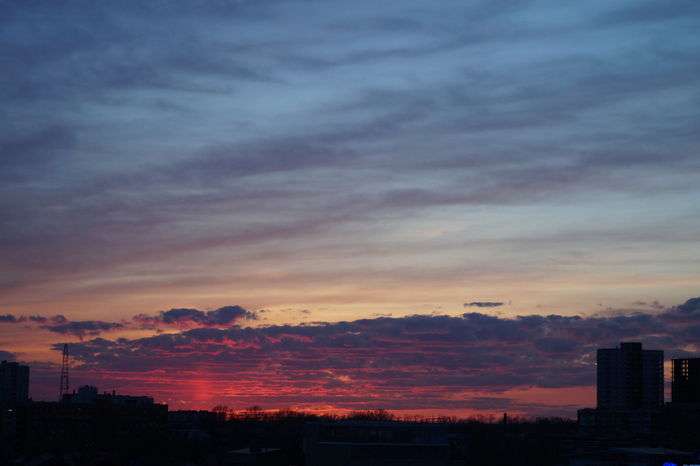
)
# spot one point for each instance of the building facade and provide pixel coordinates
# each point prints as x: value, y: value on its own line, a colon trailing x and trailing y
x: 14, y: 383
x: 630, y: 378
x: 686, y: 381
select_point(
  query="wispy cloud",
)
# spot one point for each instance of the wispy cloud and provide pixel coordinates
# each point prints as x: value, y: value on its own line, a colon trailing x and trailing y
x: 60, y: 324
x: 237, y: 124
x: 484, y: 304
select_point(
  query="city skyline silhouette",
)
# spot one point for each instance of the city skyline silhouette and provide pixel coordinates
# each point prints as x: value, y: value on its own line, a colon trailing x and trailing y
x: 292, y: 232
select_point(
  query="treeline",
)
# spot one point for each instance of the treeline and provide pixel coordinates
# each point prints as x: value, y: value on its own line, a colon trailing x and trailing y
x: 256, y: 413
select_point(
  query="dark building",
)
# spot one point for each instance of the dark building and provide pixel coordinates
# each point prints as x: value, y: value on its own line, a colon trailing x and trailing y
x: 686, y: 381
x: 630, y: 378
x: 87, y: 394
x: 14, y: 383
x: 92, y: 422
x: 355, y: 443
x: 631, y: 412
x: 194, y: 425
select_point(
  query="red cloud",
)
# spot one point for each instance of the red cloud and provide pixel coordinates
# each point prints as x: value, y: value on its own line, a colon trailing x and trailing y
x: 415, y: 362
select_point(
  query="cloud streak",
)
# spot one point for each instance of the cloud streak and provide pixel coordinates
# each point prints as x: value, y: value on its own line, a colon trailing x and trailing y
x: 484, y: 304
x: 61, y: 325
x: 83, y: 328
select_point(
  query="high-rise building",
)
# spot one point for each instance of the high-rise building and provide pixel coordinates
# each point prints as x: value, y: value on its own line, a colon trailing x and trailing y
x: 14, y: 383
x: 685, y: 387
x: 630, y: 378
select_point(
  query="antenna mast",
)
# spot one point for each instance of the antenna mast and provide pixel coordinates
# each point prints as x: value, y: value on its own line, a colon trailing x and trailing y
x: 64, y: 373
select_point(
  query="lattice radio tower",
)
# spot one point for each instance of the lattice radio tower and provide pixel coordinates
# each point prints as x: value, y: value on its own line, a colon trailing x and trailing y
x: 64, y: 373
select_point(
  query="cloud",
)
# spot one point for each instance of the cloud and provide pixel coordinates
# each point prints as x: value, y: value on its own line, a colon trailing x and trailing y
x: 419, y: 361
x: 58, y: 319
x: 10, y: 319
x: 7, y: 356
x: 650, y: 12
x: 177, y: 318
x: 83, y: 328
x: 24, y: 154
x: 653, y: 304
x: 555, y: 345
x: 36, y: 319
x: 222, y: 317
x: 692, y: 306
x: 484, y: 304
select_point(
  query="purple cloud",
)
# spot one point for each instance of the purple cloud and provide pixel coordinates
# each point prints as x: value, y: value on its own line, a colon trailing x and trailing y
x: 418, y: 361
x: 484, y: 304
x: 184, y: 317
x: 11, y: 319
x: 82, y: 328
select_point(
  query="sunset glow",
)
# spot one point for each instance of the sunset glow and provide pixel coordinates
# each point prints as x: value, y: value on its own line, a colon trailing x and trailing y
x: 434, y: 208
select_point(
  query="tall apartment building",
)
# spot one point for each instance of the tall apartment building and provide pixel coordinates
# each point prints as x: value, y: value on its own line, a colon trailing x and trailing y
x: 685, y: 387
x: 630, y: 378
x: 14, y: 383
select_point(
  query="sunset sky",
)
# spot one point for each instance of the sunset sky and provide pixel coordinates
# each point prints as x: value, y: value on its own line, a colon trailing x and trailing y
x: 433, y: 207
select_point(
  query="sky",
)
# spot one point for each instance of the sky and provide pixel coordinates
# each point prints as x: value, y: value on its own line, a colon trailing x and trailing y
x: 429, y: 207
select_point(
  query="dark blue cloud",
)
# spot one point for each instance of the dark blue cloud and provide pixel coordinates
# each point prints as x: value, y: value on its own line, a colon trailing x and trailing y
x: 651, y: 12
x: 24, y: 154
x: 484, y: 304
x: 10, y: 319
x: 60, y: 324
x: 555, y: 345
x: 221, y: 317
x: 82, y: 328
x: 692, y: 306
